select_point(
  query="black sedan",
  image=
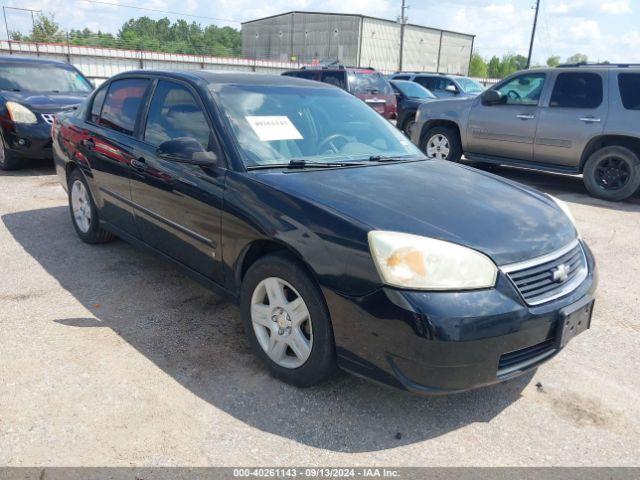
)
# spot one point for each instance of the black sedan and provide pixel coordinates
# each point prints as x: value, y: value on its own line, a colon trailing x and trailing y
x: 409, y: 96
x: 32, y: 91
x: 343, y: 245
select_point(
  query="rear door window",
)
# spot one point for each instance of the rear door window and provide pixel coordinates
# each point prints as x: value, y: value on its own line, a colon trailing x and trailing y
x: 337, y: 78
x: 96, y: 105
x: 427, y: 82
x: 577, y: 90
x: 309, y: 75
x: 629, y: 84
x: 122, y: 104
x: 401, y: 77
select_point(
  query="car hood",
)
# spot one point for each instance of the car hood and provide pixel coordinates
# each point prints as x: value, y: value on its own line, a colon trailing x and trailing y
x: 505, y: 220
x: 45, y: 102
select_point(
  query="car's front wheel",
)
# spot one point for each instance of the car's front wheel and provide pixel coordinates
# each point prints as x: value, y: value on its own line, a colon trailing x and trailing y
x: 442, y: 143
x: 612, y: 173
x: 287, y: 322
x: 409, y: 123
x: 7, y: 159
x: 84, y: 214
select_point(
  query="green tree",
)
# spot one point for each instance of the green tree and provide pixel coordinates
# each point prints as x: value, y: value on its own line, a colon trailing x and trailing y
x: 578, y: 58
x: 493, y: 69
x: 553, y: 61
x: 478, y: 67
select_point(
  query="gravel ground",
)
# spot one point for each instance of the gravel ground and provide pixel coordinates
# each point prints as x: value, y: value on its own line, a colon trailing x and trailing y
x: 110, y: 357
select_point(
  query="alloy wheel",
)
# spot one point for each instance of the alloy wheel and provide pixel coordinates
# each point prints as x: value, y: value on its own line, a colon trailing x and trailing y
x: 281, y: 322
x: 438, y: 147
x: 612, y: 173
x: 81, y: 206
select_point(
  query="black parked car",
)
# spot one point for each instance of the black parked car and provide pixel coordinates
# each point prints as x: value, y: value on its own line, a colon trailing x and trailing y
x: 32, y: 91
x: 410, y: 96
x: 342, y: 243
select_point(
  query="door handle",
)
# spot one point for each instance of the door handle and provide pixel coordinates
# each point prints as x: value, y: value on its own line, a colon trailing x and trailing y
x: 526, y: 116
x: 139, y: 164
x: 88, y: 143
x: 590, y: 120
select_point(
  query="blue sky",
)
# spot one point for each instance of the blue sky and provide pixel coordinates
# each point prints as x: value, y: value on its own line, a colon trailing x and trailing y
x: 602, y: 29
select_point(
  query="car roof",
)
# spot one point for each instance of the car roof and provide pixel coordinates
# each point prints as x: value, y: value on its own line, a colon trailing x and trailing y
x: 11, y: 59
x: 213, y: 77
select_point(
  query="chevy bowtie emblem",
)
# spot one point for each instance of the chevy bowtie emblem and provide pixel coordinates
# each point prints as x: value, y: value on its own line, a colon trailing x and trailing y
x: 560, y: 273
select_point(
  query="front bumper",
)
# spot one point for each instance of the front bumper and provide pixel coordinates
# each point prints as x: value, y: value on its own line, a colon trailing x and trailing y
x: 446, y: 342
x: 30, y: 141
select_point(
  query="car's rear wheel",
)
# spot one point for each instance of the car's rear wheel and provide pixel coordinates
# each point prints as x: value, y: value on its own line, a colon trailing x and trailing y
x: 612, y: 173
x: 84, y: 214
x: 442, y: 143
x: 287, y: 322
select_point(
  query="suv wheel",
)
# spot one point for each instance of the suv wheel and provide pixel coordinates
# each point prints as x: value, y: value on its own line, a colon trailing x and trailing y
x: 287, y: 322
x: 84, y: 214
x: 612, y: 173
x: 408, y: 125
x: 442, y: 143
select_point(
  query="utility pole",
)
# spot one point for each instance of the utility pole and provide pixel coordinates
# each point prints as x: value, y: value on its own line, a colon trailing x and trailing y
x: 533, y: 33
x: 403, y: 22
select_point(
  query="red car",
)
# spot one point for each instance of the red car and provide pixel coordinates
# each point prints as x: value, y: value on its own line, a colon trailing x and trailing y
x: 365, y: 83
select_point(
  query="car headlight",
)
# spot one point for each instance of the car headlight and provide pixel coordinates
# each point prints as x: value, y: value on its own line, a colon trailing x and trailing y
x: 565, y: 208
x: 423, y: 263
x: 20, y: 113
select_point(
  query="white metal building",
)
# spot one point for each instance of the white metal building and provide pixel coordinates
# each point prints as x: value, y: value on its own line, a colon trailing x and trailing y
x: 356, y: 40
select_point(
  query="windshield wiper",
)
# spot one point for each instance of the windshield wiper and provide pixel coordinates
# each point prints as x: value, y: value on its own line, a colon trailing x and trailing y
x: 385, y: 158
x: 297, y: 163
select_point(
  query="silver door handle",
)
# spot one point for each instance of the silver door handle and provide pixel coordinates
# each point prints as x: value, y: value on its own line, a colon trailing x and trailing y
x: 524, y: 116
x: 590, y: 120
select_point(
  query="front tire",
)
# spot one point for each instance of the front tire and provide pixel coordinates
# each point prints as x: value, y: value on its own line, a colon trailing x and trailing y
x: 84, y: 214
x: 408, y: 124
x: 287, y: 322
x: 612, y: 173
x: 442, y: 143
x: 8, y: 161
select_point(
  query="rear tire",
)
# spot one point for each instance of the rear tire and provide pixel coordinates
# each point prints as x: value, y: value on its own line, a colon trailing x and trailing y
x: 442, y: 143
x: 612, y: 173
x: 287, y: 322
x: 408, y: 124
x: 84, y: 214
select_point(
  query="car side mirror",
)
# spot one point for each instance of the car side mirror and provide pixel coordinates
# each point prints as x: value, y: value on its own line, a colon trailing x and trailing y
x: 187, y: 150
x: 451, y: 88
x: 492, y: 97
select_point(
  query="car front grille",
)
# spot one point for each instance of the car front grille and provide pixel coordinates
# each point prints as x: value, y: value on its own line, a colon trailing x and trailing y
x: 551, y: 276
x: 525, y: 357
x: 48, y: 117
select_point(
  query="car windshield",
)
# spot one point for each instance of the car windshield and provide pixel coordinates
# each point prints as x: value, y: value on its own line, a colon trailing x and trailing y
x: 413, y: 90
x: 469, y: 86
x: 42, y: 78
x: 276, y: 124
x: 371, y: 82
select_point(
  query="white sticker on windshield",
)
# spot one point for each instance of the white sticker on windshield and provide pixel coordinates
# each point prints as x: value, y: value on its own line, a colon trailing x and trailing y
x: 270, y: 128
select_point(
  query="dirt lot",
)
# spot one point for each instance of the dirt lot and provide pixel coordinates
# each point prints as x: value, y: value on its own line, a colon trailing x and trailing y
x: 110, y: 357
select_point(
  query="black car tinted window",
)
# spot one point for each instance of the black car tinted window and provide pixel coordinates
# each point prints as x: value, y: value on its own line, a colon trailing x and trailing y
x: 122, y: 104
x: 309, y: 75
x: 96, y: 105
x: 577, y: 90
x: 337, y: 78
x: 629, y: 84
x: 427, y: 82
x: 175, y: 113
x: 401, y: 77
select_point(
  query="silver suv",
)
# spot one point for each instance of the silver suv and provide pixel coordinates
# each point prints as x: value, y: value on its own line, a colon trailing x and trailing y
x: 572, y: 119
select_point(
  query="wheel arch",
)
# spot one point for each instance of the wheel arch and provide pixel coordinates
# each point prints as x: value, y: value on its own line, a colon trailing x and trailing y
x: 601, y: 141
x: 429, y: 124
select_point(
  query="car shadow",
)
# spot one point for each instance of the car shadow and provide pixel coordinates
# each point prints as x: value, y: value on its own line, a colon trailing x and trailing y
x: 197, y: 339
x: 31, y: 168
x: 567, y: 187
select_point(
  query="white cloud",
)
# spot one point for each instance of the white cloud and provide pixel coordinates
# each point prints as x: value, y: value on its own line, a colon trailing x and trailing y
x: 583, y: 29
x: 616, y: 7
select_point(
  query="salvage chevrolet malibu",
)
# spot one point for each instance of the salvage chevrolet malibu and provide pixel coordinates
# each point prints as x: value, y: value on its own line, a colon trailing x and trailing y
x: 343, y: 245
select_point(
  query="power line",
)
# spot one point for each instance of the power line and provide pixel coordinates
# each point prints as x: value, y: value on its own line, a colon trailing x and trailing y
x: 157, y: 10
